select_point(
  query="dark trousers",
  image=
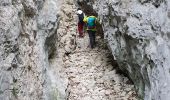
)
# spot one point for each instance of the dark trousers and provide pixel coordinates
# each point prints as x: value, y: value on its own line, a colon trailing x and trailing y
x: 92, y: 36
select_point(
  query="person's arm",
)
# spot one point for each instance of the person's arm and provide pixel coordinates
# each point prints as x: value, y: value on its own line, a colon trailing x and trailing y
x: 85, y: 19
x: 97, y: 21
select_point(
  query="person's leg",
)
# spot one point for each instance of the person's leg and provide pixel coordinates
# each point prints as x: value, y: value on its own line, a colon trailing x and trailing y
x: 83, y: 29
x: 93, y: 38
x: 90, y: 38
x: 80, y: 29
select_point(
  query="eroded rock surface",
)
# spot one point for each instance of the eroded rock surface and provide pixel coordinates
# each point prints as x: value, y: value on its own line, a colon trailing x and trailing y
x: 41, y: 58
x: 27, y: 27
x: 86, y: 74
x: 138, y: 35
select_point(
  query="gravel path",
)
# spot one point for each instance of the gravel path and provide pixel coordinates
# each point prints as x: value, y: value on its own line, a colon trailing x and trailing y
x: 91, y: 73
x: 92, y: 76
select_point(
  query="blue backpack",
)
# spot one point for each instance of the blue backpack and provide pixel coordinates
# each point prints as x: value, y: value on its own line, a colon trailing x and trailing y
x: 91, y: 22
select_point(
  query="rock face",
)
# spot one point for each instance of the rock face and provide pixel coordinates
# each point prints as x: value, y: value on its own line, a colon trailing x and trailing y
x: 27, y: 39
x: 31, y: 57
x: 40, y: 57
x: 138, y: 35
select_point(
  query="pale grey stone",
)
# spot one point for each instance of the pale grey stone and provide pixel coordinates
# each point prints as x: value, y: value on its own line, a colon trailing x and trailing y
x: 138, y: 36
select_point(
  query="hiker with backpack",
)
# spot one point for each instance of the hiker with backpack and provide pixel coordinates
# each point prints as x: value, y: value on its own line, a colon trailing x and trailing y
x: 91, y: 22
x: 80, y: 22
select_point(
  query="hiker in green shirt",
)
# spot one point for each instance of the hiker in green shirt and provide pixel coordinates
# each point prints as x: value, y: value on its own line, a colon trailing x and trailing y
x: 91, y: 29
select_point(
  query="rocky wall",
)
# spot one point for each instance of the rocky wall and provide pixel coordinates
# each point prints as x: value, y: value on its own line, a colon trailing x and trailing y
x: 137, y: 32
x: 27, y: 40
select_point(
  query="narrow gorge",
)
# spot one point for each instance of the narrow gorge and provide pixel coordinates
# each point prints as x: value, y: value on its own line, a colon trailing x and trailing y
x: 42, y: 57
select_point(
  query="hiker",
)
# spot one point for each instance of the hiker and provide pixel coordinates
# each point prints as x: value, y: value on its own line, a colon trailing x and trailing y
x: 91, y: 29
x: 80, y: 22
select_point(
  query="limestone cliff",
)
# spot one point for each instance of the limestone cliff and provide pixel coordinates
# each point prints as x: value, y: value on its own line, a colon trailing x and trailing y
x: 138, y: 35
x: 41, y: 57
x: 27, y: 39
x: 38, y: 39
